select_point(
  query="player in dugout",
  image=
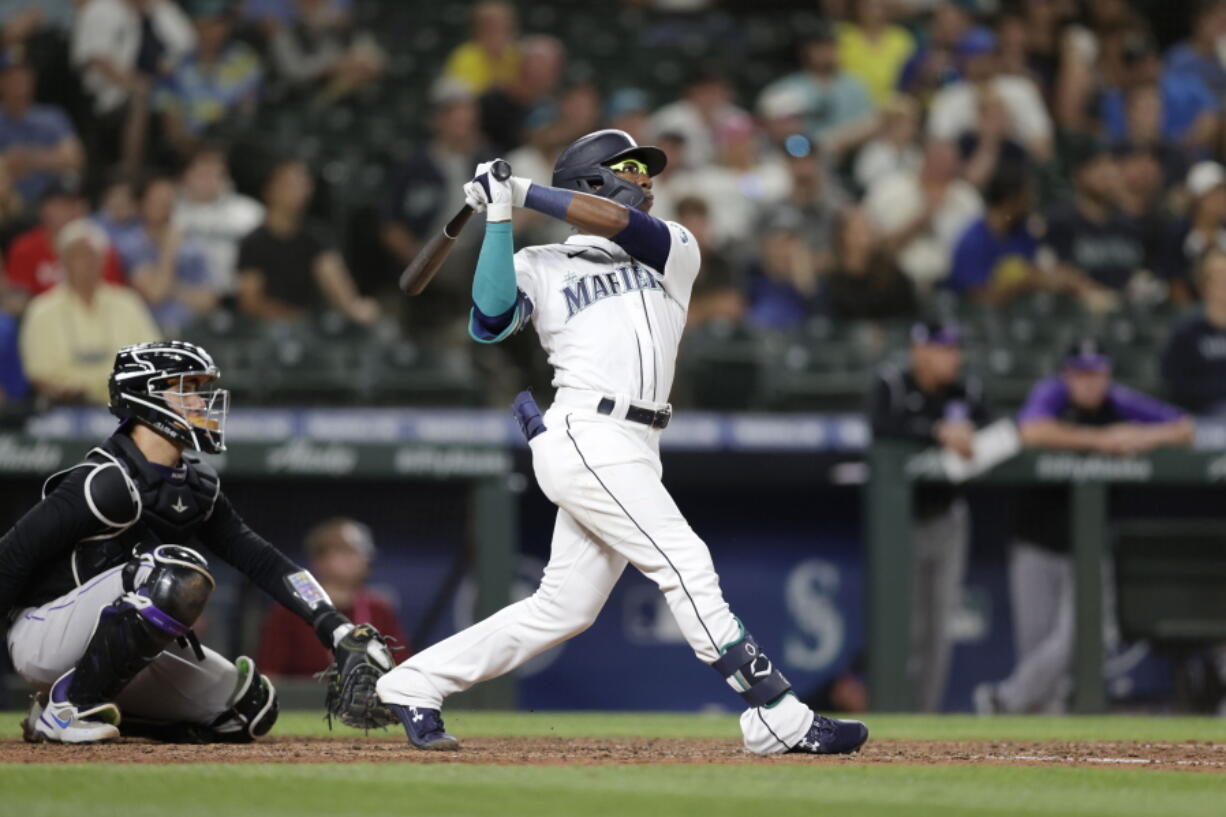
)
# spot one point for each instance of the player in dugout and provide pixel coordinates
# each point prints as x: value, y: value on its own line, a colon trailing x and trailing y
x: 932, y: 402
x: 102, y: 580
x: 1079, y: 409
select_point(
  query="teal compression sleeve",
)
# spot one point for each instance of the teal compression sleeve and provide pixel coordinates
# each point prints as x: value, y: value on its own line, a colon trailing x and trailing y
x: 495, y: 294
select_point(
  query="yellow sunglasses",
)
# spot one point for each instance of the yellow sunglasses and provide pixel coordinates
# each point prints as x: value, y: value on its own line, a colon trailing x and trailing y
x: 629, y: 166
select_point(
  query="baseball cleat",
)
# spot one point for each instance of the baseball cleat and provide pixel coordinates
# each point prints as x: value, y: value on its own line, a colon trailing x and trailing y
x: 425, y: 728
x: 61, y: 722
x: 828, y: 736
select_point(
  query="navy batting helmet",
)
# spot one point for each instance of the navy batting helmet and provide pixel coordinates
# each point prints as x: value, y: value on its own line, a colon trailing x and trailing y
x: 584, y: 166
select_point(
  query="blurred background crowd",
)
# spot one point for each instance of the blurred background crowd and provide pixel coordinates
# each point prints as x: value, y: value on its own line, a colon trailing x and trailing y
x: 253, y: 175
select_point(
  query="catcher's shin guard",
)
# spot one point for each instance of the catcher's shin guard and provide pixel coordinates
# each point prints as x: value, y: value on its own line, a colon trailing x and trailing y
x: 747, y: 670
x: 253, y: 707
x: 133, y: 630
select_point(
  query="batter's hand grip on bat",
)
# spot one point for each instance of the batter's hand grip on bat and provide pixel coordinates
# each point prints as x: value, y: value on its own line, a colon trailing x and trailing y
x: 429, y: 258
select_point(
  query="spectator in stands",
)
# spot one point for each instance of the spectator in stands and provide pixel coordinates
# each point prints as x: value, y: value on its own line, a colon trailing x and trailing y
x: 1194, y: 360
x: 993, y: 259
x: 16, y: 214
x: 503, y: 109
x: 838, y: 109
x: 958, y: 107
x: 865, y: 282
x: 1200, y: 53
x: 339, y: 554
x: 534, y: 159
x: 37, y: 142
x: 491, y: 58
x: 168, y: 269
x: 1143, y: 202
x: 1080, y: 409
x: 934, y: 63
x: 814, y: 199
x: 931, y: 403
x: 211, y: 87
x: 122, y: 47
x: 873, y: 50
x: 13, y: 384
x: 426, y: 191
x: 697, y: 116
x: 1188, y: 110
x: 33, y: 264
x: 894, y: 149
x: 118, y: 213
x: 1097, y: 249
x: 739, y: 184
x: 921, y: 213
x: 21, y: 20
x: 289, y: 267
x: 1203, y: 228
x: 322, y: 51
x: 215, y: 216
x: 629, y: 109
x: 784, y: 282
x: 718, y: 293
x: 70, y: 333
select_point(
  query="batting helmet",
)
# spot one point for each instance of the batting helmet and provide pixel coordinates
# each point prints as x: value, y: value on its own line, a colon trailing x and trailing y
x: 584, y: 166
x: 149, y: 384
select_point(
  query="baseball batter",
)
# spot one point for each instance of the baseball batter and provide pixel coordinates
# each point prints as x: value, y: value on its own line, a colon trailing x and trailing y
x: 101, y: 589
x: 609, y: 306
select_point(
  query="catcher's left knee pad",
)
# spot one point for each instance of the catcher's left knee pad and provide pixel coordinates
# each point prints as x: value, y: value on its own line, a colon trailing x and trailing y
x: 253, y: 706
x: 748, y: 671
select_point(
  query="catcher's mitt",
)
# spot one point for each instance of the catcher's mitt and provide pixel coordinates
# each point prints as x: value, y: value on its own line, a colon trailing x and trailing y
x: 362, y: 657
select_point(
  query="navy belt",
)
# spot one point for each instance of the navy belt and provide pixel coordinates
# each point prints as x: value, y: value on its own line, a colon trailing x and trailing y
x: 635, y: 414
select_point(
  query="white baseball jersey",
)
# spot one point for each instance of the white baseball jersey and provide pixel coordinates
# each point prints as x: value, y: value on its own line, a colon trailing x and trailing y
x: 608, y: 322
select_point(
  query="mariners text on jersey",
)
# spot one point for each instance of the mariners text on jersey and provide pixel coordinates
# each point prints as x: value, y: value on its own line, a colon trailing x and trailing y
x: 580, y: 293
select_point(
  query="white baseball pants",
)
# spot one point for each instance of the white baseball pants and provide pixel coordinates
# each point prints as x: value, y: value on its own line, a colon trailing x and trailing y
x: 604, y: 476
x: 45, y: 642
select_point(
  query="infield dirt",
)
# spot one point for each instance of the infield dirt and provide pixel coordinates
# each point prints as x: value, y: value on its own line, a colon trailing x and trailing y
x: 1191, y: 755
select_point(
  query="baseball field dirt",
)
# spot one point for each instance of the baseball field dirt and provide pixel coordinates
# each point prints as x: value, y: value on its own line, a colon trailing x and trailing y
x: 648, y: 765
x: 1194, y: 755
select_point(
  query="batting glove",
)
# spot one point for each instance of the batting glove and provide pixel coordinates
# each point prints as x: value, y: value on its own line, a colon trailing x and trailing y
x: 486, y: 193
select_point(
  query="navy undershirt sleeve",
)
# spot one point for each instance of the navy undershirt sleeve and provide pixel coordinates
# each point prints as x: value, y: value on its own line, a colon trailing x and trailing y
x: 646, y: 239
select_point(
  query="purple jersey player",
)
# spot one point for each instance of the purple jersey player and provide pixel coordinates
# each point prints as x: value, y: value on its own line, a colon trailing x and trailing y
x: 1080, y: 409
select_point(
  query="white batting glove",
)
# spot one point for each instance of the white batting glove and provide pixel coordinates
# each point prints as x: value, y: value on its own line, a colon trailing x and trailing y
x: 475, y: 196
x: 498, y: 196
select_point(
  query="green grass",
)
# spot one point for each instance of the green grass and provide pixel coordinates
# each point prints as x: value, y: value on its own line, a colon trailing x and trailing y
x: 824, y: 788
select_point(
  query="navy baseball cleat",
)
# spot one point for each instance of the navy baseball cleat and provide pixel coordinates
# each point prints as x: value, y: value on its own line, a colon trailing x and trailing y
x: 828, y: 736
x: 425, y: 728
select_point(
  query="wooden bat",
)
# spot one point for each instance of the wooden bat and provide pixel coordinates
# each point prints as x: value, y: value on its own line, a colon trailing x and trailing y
x: 421, y: 269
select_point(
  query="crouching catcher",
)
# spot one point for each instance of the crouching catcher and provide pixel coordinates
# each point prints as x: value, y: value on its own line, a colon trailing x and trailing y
x: 102, y: 581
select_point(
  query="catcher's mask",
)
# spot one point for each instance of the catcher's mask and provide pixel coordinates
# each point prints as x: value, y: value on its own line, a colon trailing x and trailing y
x: 586, y: 166
x: 168, y: 385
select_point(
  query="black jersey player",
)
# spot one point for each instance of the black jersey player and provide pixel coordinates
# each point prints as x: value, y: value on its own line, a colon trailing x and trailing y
x: 103, y: 579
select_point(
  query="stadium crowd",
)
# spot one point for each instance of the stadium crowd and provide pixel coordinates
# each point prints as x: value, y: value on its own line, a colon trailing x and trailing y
x: 905, y: 154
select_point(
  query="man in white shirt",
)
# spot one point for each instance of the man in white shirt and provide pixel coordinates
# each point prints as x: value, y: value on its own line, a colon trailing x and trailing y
x: 922, y: 213
x: 956, y: 108
x: 216, y: 217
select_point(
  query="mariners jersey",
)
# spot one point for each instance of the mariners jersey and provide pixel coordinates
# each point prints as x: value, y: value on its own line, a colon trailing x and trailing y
x: 608, y: 322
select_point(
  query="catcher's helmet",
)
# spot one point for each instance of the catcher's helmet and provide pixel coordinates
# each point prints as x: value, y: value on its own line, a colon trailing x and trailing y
x: 152, y: 383
x: 585, y: 163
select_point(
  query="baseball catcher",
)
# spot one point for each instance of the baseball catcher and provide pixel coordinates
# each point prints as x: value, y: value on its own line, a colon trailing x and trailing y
x: 102, y: 581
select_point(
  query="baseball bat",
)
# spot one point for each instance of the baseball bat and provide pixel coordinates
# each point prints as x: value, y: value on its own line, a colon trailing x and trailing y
x: 421, y: 269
